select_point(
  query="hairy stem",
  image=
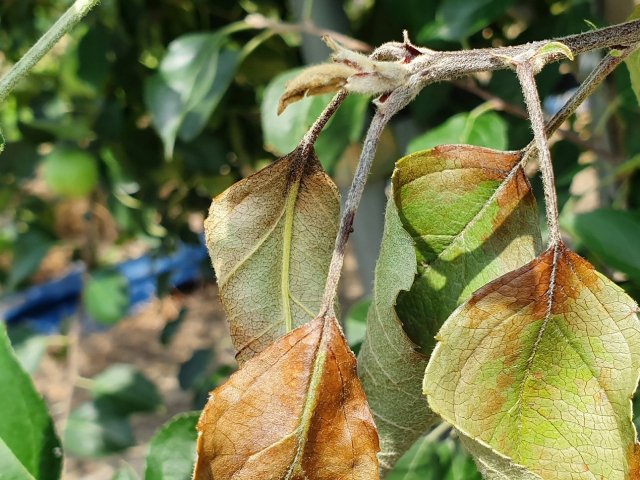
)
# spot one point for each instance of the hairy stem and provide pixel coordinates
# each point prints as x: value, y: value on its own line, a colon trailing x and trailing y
x: 532, y: 99
x: 353, y: 200
x: 312, y: 134
x: 68, y: 20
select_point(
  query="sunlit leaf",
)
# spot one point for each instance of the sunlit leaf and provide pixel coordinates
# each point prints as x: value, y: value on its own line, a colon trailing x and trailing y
x: 540, y: 365
x: 193, y: 77
x: 29, y: 447
x: 172, y: 450
x: 283, y: 132
x: 478, y: 127
x: 460, y: 216
x: 271, y: 237
x: 296, y: 410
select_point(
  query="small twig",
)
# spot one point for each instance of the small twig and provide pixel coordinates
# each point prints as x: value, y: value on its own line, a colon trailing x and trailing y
x: 516, y: 111
x: 68, y: 20
x: 526, y: 76
x: 256, y: 20
x: 312, y: 134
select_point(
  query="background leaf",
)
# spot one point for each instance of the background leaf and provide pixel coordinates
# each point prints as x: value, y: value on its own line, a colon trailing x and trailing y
x: 106, y: 297
x: 172, y: 450
x: 29, y: 447
x: 126, y: 389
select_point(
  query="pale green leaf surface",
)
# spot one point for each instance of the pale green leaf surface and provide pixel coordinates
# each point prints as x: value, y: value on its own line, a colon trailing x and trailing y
x: 540, y: 365
x: 29, y: 447
x: 271, y: 238
x: 461, y: 216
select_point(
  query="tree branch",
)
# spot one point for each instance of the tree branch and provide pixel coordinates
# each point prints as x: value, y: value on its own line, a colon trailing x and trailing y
x: 70, y: 18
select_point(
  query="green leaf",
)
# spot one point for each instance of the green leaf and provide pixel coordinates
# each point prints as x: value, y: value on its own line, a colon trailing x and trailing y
x: 433, y: 460
x: 172, y: 327
x: 613, y: 236
x: 459, y: 216
x: 126, y: 472
x: 356, y: 324
x: 271, y: 237
x: 106, y: 297
x: 193, y: 77
x: 126, y: 389
x: 193, y: 369
x: 459, y: 19
x: 29, y: 447
x: 172, y: 451
x: 29, y: 250
x: 28, y: 346
x: 95, y: 429
x: 540, y: 366
x: 282, y: 133
x: 478, y: 127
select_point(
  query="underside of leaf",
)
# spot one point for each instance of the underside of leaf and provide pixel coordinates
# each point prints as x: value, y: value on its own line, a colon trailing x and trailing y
x: 270, y: 237
x: 540, y: 366
x: 460, y: 217
x: 296, y: 411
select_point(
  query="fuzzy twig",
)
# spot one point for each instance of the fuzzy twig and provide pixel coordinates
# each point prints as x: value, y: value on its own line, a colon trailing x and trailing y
x: 70, y: 18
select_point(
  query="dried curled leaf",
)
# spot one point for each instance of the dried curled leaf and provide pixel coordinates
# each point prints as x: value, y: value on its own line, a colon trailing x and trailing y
x: 540, y: 365
x: 352, y: 70
x: 270, y: 237
x: 316, y: 80
x: 296, y: 411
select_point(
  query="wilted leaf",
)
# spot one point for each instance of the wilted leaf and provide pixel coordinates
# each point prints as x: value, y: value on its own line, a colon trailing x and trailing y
x: 271, y: 238
x: 540, y: 365
x: 460, y: 216
x: 295, y: 411
x: 315, y: 80
x: 172, y: 450
x: 29, y: 447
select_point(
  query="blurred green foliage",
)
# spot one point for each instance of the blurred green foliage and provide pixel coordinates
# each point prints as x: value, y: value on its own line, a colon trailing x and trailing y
x: 166, y: 103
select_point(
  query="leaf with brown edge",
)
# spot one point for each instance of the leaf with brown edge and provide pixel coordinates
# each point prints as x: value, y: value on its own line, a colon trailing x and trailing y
x: 270, y: 237
x: 459, y: 216
x: 540, y: 366
x: 295, y: 411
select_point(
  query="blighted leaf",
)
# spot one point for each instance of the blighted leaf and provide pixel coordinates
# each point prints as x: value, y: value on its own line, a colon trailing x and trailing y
x: 271, y: 238
x: 316, y: 80
x: 172, y: 450
x: 540, y: 365
x: 460, y: 216
x: 352, y: 70
x: 295, y: 411
x: 29, y: 446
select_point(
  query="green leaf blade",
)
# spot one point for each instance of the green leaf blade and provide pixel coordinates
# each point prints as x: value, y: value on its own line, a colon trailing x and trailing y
x: 28, y: 443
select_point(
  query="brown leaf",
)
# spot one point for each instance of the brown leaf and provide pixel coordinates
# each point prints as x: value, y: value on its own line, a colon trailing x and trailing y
x: 295, y: 411
x: 316, y: 80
